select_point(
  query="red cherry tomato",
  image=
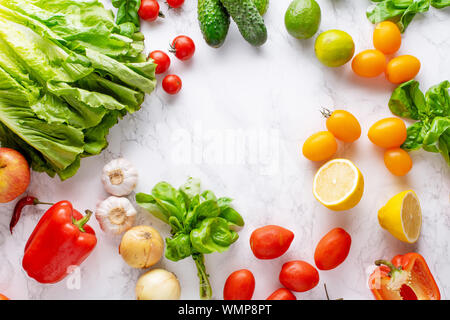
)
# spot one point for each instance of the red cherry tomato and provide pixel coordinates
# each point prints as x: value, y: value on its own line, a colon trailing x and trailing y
x: 282, y: 294
x: 149, y: 10
x: 299, y: 276
x: 171, y: 84
x: 240, y: 285
x: 332, y: 249
x: 161, y: 59
x: 183, y: 47
x: 175, y: 3
x: 270, y: 242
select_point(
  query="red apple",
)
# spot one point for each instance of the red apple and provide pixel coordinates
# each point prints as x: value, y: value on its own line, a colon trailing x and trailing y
x: 14, y: 174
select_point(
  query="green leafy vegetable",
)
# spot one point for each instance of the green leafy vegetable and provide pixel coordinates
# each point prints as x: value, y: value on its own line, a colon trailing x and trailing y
x: 432, y: 131
x: 68, y: 72
x: 401, y: 12
x: 127, y: 11
x: 200, y: 223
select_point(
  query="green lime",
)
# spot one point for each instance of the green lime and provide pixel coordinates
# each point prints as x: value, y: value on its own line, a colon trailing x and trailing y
x: 334, y: 48
x: 302, y: 18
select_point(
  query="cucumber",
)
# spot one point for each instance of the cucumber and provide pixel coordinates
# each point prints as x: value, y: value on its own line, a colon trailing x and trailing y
x: 249, y: 21
x: 214, y: 21
x: 262, y: 6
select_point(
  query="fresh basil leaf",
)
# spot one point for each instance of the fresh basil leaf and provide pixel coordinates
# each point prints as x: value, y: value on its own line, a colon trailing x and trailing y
x: 127, y: 11
x: 178, y: 247
x: 415, y: 135
x: 399, y: 11
x: 408, y: 101
x: 439, y: 4
x: 438, y: 100
x: 444, y: 146
x: 209, y: 195
x: 175, y: 224
x: 439, y: 127
x: 169, y: 199
x: 206, y: 209
x: 212, y: 235
x: 189, y: 190
x: 148, y: 202
x: 224, y: 202
x: 232, y: 216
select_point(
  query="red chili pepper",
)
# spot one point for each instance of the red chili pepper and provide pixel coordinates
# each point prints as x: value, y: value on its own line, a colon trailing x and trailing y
x: 61, y: 240
x: 407, y: 277
x: 27, y: 201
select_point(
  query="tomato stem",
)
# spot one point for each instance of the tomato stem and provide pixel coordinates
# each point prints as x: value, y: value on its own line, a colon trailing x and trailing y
x: 326, y: 112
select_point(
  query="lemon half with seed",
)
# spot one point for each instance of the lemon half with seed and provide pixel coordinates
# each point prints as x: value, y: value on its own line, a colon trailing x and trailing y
x: 402, y: 216
x: 338, y: 185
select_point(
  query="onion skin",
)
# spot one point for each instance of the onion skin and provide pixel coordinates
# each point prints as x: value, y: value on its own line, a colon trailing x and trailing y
x: 158, y: 284
x: 141, y: 247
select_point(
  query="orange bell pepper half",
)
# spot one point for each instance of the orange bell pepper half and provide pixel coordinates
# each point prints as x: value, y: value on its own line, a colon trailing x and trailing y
x: 407, y: 277
x: 2, y: 297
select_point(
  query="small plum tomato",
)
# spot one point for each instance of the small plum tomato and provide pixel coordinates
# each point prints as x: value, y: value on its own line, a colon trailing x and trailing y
x: 320, y: 146
x: 397, y: 161
x: 369, y: 63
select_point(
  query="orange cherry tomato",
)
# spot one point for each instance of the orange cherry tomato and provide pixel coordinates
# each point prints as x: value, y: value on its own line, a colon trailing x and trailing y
x: 388, y: 133
x: 332, y: 249
x: 320, y: 146
x: 240, y: 285
x: 369, y: 63
x: 397, y: 161
x: 270, y: 242
x: 387, y: 37
x: 282, y: 294
x: 343, y: 125
x: 402, y: 69
x: 2, y: 297
x: 299, y: 276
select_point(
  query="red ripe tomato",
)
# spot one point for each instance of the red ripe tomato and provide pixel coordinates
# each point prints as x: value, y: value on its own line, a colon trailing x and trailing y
x: 149, y: 10
x: 240, y: 285
x: 172, y: 84
x: 183, y: 47
x: 299, y: 276
x: 282, y: 294
x: 270, y: 242
x: 332, y: 249
x: 175, y: 3
x: 161, y: 59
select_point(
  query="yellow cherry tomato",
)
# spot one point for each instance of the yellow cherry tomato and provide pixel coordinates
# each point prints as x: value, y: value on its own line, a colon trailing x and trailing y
x: 402, y: 69
x: 387, y: 37
x: 369, y: 63
x: 320, y: 146
x: 343, y: 125
x: 397, y: 161
x: 388, y: 133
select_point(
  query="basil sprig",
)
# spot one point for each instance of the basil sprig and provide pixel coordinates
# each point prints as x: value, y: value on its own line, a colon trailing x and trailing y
x: 200, y: 222
x: 401, y: 12
x: 432, y: 110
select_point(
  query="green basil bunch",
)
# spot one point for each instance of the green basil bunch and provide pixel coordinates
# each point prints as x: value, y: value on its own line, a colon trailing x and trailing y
x: 200, y: 222
x: 432, y: 110
x: 401, y: 11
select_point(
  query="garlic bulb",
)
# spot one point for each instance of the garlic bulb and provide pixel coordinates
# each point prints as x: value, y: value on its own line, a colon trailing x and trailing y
x: 119, y: 177
x: 115, y: 215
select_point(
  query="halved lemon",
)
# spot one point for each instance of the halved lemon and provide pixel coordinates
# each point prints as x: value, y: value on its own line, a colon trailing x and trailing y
x: 338, y: 185
x: 402, y: 216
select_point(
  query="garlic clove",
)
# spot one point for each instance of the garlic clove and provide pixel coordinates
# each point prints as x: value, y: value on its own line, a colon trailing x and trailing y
x: 119, y: 177
x: 115, y: 215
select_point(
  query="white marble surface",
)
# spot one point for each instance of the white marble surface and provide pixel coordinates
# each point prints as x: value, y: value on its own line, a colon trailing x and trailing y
x: 265, y: 102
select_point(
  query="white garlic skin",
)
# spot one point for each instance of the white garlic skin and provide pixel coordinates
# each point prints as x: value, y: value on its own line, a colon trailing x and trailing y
x: 115, y: 215
x: 119, y: 177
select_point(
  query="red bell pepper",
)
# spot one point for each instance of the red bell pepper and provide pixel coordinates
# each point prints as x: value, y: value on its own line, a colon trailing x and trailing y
x: 407, y: 277
x: 60, y: 241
